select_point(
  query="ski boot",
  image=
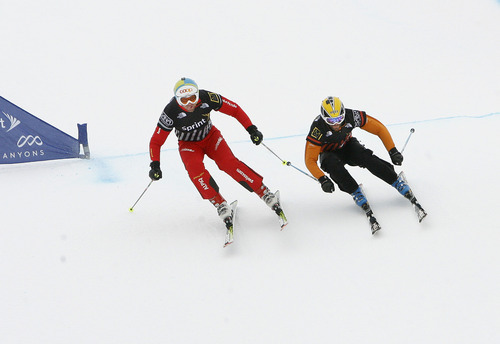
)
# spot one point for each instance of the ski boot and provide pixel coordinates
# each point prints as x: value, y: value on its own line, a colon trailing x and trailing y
x: 404, y: 189
x: 359, y: 198
x: 273, y: 201
x: 223, y: 209
x: 225, y: 213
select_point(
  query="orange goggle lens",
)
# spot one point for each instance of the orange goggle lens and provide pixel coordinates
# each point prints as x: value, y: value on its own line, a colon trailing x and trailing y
x: 190, y: 99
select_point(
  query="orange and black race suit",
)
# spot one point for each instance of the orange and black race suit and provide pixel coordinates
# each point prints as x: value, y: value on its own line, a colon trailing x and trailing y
x: 335, y: 149
x: 199, y: 137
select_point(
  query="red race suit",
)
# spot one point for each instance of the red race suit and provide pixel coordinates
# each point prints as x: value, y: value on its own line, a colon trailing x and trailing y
x: 199, y: 137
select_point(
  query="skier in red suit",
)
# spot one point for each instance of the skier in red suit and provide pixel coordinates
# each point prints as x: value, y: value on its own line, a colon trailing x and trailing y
x: 188, y: 112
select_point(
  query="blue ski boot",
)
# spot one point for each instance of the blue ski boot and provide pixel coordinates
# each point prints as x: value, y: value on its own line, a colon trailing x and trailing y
x: 402, y: 186
x: 359, y: 197
x: 404, y: 189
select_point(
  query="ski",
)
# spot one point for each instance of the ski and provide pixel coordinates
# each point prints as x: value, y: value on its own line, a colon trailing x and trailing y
x: 421, y: 213
x: 230, y: 224
x: 374, y: 225
x: 279, y: 211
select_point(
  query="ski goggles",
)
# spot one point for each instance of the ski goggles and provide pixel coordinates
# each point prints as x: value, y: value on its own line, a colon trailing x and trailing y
x: 192, y: 99
x: 334, y: 120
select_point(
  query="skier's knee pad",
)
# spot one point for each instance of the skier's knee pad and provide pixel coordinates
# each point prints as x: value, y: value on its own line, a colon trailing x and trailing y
x: 246, y: 186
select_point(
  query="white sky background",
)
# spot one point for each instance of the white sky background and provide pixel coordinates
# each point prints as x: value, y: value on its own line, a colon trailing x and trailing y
x: 111, y: 63
x: 76, y: 267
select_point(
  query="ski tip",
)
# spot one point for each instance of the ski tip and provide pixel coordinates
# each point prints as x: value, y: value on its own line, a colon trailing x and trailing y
x: 420, y: 219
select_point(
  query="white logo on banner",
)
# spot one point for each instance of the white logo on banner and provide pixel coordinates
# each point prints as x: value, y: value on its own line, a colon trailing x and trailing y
x: 14, y: 122
x: 30, y: 140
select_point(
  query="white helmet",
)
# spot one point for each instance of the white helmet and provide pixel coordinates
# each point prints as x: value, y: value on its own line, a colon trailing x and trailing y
x: 186, y: 91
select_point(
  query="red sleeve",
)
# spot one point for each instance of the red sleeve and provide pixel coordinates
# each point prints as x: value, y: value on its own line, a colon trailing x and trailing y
x: 157, y: 140
x: 234, y: 110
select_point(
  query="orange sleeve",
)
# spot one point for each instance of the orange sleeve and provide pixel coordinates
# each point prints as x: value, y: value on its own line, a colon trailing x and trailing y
x: 375, y: 127
x: 311, y: 159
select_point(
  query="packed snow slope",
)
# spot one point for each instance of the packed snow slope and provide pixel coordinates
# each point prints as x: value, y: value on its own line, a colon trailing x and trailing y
x: 77, y: 267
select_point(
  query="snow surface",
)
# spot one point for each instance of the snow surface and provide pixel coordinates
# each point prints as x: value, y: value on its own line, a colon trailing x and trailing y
x: 77, y: 267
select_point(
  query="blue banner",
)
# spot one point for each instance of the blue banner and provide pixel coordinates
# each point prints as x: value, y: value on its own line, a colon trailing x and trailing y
x: 26, y: 138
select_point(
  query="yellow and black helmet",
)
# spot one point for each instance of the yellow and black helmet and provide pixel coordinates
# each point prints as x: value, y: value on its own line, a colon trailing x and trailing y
x: 332, y: 110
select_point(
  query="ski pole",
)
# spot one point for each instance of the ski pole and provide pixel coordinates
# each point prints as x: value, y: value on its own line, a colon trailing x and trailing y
x: 131, y: 209
x: 288, y: 163
x: 408, y: 139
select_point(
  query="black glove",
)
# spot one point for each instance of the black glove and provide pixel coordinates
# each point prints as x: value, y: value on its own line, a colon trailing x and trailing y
x: 326, y: 184
x: 155, y: 173
x: 396, y: 157
x: 255, y: 135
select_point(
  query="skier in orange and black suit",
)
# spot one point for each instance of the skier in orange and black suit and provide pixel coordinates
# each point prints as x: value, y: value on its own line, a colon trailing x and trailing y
x: 330, y: 139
